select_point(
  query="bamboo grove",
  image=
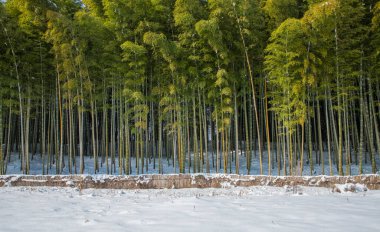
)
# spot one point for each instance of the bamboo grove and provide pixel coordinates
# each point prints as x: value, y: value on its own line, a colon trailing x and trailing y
x: 201, y: 85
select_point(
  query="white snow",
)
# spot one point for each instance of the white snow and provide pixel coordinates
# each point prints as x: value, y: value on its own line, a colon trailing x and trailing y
x: 227, y: 209
x: 349, y: 187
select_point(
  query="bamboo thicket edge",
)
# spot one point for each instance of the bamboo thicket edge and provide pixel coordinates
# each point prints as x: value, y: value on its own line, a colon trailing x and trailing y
x: 179, y: 181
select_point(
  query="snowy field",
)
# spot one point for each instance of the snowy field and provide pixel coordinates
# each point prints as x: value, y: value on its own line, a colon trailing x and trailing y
x: 235, y: 209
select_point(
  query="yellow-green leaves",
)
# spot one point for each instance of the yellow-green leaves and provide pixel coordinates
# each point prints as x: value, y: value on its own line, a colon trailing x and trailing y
x: 221, y: 77
x: 286, y: 63
x: 376, y: 30
x: 209, y: 30
x: 131, y: 50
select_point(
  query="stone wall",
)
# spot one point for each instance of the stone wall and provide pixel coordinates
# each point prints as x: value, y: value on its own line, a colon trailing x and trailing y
x: 177, y: 181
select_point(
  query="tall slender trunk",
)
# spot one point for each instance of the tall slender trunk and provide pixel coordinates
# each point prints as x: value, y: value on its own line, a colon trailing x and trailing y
x: 127, y: 142
x: 2, y: 166
x: 121, y: 137
x: 368, y: 122
x: 153, y: 139
x: 26, y: 146
x: 93, y: 137
x: 251, y: 78
x: 328, y: 135
x: 374, y: 119
x: 49, y: 139
x: 217, y: 143
x: 188, y: 144
x: 247, y: 140
x: 43, y: 135
x: 15, y: 64
x: 237, y: 166
x: 80, y: 130
x: 8, y: 150
x: 201, y: 155
x: 302, y: 146
x: 284, y: 148
x: 60, y: 115
x: 347, y: 140
x: 160, y: 167
x: 205, y: 135
x: 267, y: 128
x: 195, y: 139
x: 338, y: 93
x: 320, y: 142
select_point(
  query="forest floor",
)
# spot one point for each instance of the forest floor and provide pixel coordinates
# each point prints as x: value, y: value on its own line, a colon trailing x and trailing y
x: 225, y: 209
x: 13, y: 167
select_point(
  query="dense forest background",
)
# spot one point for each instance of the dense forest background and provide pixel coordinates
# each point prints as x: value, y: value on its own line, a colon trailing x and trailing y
x: 196, y: 83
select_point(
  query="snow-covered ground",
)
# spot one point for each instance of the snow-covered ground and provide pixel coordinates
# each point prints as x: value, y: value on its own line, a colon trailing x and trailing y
x: 234, y: 209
